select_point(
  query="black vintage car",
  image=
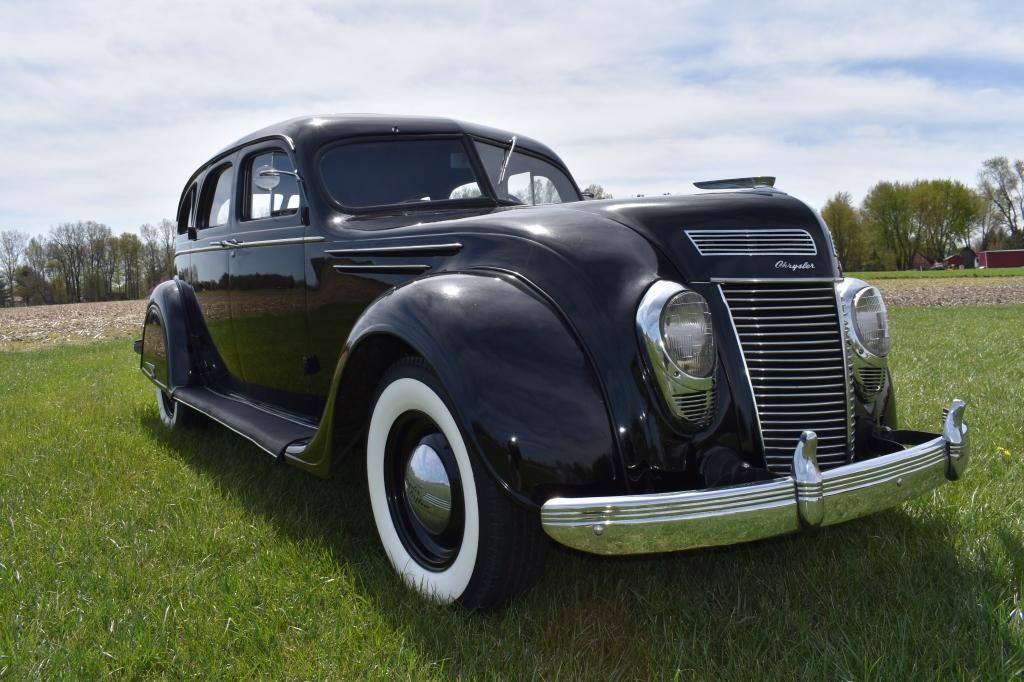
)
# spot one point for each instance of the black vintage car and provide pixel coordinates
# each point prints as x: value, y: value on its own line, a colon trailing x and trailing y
x: 624, y: 376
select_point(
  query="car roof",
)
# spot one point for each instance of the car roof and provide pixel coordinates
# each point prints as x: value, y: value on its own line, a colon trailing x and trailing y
x: 313, y: 131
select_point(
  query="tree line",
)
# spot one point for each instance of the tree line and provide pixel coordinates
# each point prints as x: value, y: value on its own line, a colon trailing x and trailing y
x: 902, y: 225
x: 896, y: 224
x: 84, y: 261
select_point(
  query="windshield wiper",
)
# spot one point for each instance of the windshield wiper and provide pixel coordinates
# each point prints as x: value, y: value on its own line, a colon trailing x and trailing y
x: 508, y: 155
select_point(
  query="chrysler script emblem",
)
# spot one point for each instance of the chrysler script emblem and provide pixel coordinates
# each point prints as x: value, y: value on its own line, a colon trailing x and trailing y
x: 786, y: 265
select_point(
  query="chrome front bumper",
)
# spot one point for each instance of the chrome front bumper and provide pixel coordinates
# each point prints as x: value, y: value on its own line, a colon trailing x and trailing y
x: 667, y: 522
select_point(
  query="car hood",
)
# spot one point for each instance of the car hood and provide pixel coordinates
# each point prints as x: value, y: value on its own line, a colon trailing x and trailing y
x: 727, y: 235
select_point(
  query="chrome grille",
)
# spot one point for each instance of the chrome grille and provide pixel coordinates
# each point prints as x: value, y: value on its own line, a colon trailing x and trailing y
x: 794, y: 347
x: 785, y: 242
x: 870, y: 379
x: 698, y: 407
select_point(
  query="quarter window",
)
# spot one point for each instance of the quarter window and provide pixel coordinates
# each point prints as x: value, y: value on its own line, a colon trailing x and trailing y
x: 185, y: 215
x: 218, y: 191
x: 528, y: 179
x: 273, y: 189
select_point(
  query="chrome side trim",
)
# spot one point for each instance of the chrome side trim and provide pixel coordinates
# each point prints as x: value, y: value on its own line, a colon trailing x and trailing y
x: 202, y: 249
x: 395, y: 269
x: 664, y: 522
x: 278, y: 242
x: 234, y: 244
x: 412, y: 249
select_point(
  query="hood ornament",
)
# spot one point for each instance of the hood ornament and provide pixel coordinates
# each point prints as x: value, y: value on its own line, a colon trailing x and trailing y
x: 756, y: 182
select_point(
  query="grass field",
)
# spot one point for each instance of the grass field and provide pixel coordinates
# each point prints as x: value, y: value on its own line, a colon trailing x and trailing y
x: 128, y: 552
x: 932, y: 274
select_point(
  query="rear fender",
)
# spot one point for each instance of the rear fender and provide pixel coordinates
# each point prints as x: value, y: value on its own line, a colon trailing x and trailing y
x: 165, y: 351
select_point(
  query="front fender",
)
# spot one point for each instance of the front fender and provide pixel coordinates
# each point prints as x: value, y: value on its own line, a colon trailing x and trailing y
x: 521, y: 385
x: 165, y: 355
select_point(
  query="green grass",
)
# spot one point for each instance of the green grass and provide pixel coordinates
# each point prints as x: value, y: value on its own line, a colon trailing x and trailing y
x: 126, y: 551
x: 932, y: 274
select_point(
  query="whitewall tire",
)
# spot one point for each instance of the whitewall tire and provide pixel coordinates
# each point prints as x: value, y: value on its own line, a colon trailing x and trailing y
x: 447, y: 527
x: 398, y: 398
x: 173, y: 414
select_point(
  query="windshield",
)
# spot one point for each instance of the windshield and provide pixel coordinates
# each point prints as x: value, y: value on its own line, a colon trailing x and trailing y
x: 528, y: 179
x: 389, y: 172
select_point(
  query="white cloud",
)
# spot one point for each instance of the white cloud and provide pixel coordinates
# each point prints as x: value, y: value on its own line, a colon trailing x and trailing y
x: 107, y: 107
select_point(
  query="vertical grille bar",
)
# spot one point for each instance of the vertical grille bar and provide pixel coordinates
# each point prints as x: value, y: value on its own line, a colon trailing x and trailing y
x: 794, y: 346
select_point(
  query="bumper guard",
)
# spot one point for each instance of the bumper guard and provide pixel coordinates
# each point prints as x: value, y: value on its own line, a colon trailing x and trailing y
x: 667, y: 522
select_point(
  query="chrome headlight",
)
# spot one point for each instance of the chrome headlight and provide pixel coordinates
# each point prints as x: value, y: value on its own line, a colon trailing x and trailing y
x: 867, y: 329
x: 686, y: 334
x: 674, y: 325
x: 871, y: 321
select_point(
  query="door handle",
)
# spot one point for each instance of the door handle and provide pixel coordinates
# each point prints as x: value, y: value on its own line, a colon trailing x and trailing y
x: 228, y: 243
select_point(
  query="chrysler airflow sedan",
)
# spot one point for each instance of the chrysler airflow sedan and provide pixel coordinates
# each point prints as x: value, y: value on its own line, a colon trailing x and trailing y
x: 520, y: 364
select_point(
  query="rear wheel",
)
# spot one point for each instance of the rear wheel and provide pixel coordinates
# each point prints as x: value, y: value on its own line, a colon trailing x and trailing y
x: 446, y: 526
x: 173, y: 414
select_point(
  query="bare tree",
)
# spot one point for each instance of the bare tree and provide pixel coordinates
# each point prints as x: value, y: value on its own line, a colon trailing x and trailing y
x: 129, y: 250
x: 1002, y: 184
x: 597, y: 191
x: 12, y: 244
x: 68, y: 246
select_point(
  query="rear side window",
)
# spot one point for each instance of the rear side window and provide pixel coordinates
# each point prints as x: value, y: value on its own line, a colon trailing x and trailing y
x: 389, y: 172
x: 185, y: 214
x: 217, y: 197
x: 273, y: 190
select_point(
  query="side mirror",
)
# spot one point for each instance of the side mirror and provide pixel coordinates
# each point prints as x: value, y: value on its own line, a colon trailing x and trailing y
x: 587, y: 195
x: 268, y: 178
x: 192, y: 234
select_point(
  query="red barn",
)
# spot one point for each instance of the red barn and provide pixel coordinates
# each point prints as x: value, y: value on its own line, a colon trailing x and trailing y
x: 1009, y: 258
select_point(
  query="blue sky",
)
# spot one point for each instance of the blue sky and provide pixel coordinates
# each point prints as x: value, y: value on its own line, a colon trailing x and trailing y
x: 107, y: 107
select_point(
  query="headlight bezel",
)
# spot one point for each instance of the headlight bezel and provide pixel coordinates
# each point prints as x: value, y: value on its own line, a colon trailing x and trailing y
x: 851, y: 291
x: 870, y: 370
x: 674, y: 381
x: 857, y: 330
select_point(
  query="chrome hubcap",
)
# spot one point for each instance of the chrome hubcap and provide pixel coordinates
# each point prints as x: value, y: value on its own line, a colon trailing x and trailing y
x: 428, y: 489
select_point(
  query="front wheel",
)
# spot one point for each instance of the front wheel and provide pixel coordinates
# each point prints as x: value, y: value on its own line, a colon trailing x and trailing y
x: 446, y: 526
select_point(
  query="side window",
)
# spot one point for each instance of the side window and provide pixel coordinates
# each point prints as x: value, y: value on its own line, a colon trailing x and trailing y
x: 528, y: 179
x: 217, y: 197
x: 185, y: 215
x: 273, y: 189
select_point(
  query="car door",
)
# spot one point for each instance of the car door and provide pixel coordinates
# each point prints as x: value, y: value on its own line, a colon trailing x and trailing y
x: 268, y: 280
x: 209, y: 256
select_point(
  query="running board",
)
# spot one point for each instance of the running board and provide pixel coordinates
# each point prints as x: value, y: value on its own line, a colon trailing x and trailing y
x: 271, y: 432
